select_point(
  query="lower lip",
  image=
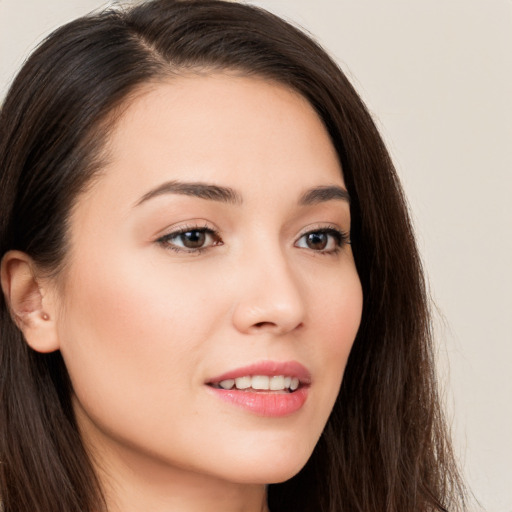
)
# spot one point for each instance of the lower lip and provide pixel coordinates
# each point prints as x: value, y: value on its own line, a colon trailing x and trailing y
x: 262, y: 403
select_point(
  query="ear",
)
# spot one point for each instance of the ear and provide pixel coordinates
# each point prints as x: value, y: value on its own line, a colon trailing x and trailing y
x: 31, y: 306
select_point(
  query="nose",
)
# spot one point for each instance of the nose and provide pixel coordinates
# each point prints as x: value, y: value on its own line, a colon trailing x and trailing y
x: 270, y: 299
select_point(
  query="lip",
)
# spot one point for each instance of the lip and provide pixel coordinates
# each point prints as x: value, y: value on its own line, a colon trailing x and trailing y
x: 268, y: 368
x: 265, y: 403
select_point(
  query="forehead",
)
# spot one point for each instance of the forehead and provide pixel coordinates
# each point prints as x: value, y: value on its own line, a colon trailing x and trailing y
x: 244, y: 132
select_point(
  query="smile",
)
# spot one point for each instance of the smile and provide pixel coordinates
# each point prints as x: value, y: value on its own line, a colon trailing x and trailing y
x: 268, y: 388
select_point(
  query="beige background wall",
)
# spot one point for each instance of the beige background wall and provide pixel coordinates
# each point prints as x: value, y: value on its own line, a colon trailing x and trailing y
x: 437, y: 75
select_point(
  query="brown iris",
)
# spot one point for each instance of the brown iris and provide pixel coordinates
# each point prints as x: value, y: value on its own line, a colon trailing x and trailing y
x: 317, y: 241
x: 193, y: 239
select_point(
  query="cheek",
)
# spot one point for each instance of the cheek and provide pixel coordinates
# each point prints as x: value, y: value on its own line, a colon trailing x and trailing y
x: 131, y: 333
x: 337, y: 316
x: 335, y: 303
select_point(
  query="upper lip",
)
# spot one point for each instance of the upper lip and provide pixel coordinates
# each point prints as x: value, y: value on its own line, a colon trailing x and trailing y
x: 268, y: 368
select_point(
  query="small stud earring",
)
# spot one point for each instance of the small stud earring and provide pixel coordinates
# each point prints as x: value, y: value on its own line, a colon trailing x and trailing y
x: 45, y: 316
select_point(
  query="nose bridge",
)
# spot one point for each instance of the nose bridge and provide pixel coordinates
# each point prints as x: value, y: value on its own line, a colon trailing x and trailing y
x: 270, y: 297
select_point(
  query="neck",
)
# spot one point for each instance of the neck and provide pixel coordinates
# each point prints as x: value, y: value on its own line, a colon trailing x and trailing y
x: 190, y: 494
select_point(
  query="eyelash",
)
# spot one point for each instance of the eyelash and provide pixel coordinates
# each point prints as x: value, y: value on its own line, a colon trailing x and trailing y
x: 166, y: 239
x: 341, y: 238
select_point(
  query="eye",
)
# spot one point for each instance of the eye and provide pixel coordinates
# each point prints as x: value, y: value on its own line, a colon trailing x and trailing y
x: 191, y: 239
x: 326, y: 240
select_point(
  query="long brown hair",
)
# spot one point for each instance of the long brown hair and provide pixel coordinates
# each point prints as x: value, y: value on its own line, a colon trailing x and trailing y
x: 385, y: 446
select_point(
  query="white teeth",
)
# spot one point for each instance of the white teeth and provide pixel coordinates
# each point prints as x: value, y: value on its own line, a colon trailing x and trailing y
x: 261, y: 383
x: 243, y: 382
x: 227, y: 384
x: 276, y: 383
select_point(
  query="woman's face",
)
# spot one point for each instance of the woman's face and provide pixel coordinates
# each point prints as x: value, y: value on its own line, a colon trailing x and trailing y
x: 212, y: 249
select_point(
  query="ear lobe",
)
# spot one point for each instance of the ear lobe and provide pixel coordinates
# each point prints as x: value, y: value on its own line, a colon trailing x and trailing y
x: 31, y: 309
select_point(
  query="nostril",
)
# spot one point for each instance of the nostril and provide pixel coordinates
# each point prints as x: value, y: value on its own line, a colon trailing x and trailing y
x: 273, y: 326
x: 264, y: 324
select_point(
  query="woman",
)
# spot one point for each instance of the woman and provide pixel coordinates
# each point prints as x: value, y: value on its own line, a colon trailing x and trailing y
x: 212, y: 298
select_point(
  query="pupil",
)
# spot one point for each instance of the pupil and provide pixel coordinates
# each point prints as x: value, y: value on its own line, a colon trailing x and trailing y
x: 317, y: 241
x: 193, y: 239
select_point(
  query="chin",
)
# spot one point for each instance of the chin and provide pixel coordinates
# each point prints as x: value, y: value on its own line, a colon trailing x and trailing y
x: 272, y: 470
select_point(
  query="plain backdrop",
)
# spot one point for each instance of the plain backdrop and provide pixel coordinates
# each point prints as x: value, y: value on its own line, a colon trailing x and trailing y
x: 437, y: 76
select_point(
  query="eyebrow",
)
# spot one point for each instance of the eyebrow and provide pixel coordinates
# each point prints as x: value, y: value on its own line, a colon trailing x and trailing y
x: 228, y: 195
x: 323, y: 194
x: 194, y: 189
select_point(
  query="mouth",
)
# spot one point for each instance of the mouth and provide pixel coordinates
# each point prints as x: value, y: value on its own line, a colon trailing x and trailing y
x: 266, y: 389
